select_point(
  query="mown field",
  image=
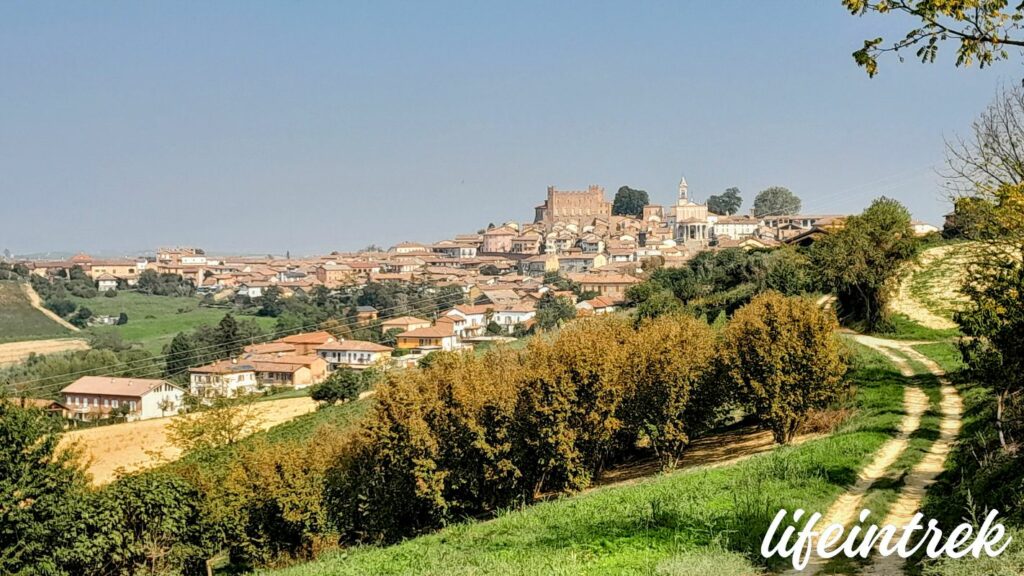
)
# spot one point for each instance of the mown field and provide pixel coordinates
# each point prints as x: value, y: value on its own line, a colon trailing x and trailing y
x: 19, y: 320
x: 699, y: 521
x: 154, y: 320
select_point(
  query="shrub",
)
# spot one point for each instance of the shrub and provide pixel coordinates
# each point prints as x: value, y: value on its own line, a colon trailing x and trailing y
x: 783, y: 357
x: 669, y: 359
x: 275, y: 497
x: 342, y: 385
x: 147, y: 523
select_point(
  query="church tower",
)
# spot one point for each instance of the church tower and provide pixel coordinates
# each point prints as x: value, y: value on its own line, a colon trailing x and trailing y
x: 684, y: 194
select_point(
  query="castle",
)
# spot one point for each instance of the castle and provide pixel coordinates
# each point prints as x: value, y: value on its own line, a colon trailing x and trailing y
x: 579, y: 207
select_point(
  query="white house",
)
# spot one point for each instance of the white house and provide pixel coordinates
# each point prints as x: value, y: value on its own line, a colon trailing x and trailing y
x: 353, y: 354
x: 106, y: 282
x: 475, y: 318
x: 93, y: 397
x: 734, y: 227
x: 508, y: 317
x: 224, y: 378
x: 923, y: 228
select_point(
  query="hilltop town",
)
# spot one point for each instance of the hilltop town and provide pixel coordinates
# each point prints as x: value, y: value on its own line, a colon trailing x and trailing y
x: 577, y: 248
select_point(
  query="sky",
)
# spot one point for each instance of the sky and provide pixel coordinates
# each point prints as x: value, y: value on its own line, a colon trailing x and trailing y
x: 255, y: 127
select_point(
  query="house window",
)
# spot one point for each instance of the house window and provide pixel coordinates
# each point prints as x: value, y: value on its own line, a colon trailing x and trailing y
x: 113, y: 403
x: 106, y: 402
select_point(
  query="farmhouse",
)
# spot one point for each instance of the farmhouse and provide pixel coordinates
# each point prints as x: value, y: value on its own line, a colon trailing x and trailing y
x: 93, y: 397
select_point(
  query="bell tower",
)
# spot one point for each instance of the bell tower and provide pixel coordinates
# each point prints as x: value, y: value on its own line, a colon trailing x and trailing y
x: 684, y: 194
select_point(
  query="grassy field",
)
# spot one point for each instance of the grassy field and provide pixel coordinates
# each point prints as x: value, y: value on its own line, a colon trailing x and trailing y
x: 20, y: 321
x: 936, y: 283
x: 699, y: 521
x: 154, y: 320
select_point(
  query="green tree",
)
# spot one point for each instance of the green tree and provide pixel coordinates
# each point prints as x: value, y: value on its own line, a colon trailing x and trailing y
x: 149, y: 523
x: 728, y: 202
x: 181, y: 354
x: 783, y: 357
x: 228, y: 337
x: 630, y: 202
x: 343, y: 385
x: 776, y: 201
x: 224, y: 422
x: 862, y: 261
x: 42, y: 492
x: 994, y: 318
x: 81, y: 317
x: 553, y: 310
x: 270, y: 302
x: 983, y: 29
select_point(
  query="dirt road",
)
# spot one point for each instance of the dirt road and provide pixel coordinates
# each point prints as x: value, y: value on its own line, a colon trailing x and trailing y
x: 138, y: 445
x: 37, y: 303
x: 846, y: 508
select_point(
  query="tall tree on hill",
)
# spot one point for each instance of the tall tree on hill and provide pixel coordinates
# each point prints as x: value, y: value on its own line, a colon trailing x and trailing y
x: 726, y: 203
x: 181, y: 354
x: 228, y: 337
x: 776, y: 201
x: 861, y: 261
x: 630, y: 202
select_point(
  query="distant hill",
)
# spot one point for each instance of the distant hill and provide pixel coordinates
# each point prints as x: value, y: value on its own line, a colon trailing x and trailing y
x: 19, y: 320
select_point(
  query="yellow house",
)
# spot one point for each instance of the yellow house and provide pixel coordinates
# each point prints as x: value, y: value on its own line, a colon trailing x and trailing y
x: 439, y: 337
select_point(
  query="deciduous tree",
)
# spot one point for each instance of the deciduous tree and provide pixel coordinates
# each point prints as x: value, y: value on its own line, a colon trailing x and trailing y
x: 630, y: 202
x: 782, y: 355
x: 776, y: 201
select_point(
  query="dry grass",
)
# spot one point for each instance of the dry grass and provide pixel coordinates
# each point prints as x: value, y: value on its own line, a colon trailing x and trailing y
x: 120, y: 448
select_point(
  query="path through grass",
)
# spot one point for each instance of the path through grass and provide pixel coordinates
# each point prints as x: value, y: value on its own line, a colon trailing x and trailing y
x: 709, y: 520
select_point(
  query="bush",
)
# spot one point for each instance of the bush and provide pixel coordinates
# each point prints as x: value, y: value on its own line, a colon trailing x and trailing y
x: 61, y: 307
x: 144, y: 523
x: 342, y: 385
x: 783, y: 358
x: 670, y: 361
x: 274, y: 494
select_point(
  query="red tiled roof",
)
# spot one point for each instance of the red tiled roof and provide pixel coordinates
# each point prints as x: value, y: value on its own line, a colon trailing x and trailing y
x: 321, y: 337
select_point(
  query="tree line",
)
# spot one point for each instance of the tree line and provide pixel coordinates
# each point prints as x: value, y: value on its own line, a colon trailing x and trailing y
x: 465, y: 436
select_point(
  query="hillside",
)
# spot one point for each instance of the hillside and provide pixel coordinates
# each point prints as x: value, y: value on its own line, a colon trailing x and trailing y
x: 154, y: 320
x: 696, y: 521
x: 20, y: 320
x: 929, y: 291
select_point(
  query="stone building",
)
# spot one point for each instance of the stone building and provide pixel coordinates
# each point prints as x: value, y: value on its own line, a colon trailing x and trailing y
x: 580, y: 207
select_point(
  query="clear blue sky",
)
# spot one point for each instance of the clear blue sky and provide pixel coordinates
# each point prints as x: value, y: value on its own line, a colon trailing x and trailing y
x: 318, y: 126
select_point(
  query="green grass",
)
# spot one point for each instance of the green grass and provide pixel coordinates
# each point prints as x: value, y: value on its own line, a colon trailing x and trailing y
x: 154, y: 320
x: 903, y: 328
x: 19, y: 320
x: 699, y: 521
x: 929, y: 285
